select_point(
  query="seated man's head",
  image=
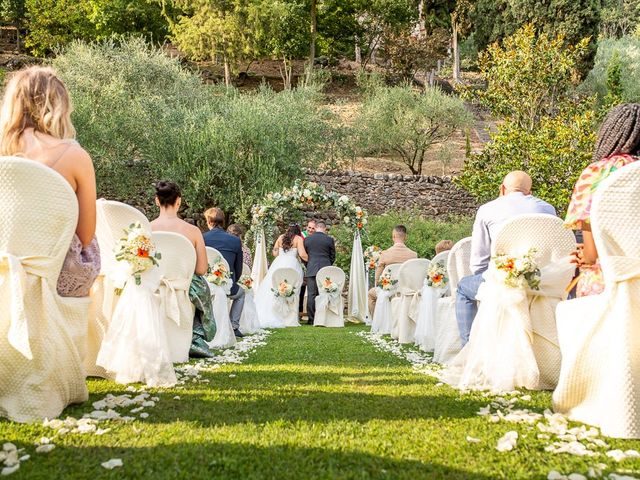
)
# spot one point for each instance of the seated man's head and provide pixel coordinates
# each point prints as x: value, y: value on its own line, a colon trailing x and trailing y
x: 168, y: 195
x: 236, y: 229
x: 516, y: 181
x: 399, y: 234
x: 320, y: 226
x: 443, y: 246
x: 215, y: 218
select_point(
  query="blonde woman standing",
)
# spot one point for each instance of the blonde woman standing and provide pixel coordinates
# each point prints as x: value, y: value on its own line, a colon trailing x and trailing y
x: 35, y: 123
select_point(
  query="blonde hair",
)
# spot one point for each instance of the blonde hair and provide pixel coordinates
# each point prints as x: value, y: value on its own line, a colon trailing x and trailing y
x: 443, y: 246
x: 35, y: 98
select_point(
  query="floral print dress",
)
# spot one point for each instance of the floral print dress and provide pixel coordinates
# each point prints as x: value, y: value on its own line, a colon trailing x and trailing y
x: 579, y: 213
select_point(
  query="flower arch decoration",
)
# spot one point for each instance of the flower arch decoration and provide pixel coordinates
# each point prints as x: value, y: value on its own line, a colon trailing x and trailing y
x: 304, y: 196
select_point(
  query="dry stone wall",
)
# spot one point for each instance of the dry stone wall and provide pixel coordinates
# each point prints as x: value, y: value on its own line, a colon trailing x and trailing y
x: 434, y: 197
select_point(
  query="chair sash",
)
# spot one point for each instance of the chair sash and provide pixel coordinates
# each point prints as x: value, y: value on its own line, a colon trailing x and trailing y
x: 425, y: 334
x: 381, y: 322
x: 414, y: 304
x: 283, y: 305
x: 329, y: 301
x: 169, y: 301
x: 13, y: 274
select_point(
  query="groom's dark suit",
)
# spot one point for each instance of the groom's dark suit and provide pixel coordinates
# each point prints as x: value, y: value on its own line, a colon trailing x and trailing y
x: 322, y: 253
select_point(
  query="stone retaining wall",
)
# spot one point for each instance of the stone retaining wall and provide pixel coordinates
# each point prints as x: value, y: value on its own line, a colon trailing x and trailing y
x: 378, y: 193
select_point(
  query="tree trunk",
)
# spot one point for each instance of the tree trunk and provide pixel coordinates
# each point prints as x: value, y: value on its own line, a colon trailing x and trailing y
x: 456, y: 53
x: 314, y: 34
x: 358, y: 51
x: 227, y: 72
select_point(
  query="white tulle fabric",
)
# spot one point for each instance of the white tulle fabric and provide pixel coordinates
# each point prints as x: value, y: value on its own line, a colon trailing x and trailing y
x: 277, y: 312
x: 225, y: 337
x: 249, y: 322
x: 411, y: 277
x: 500, y: 353
x: 330, y: 306
x: 42, y: 336
x: 599, y: 336
x: 357, y: 296
x: 260, y: 264
x: 135, y: 347
x: 382, y: 319
x: 447, y: 335
x: 425, y: 334
x: 112, y: 218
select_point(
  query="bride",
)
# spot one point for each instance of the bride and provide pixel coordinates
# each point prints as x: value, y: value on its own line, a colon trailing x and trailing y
x: 288, y: 250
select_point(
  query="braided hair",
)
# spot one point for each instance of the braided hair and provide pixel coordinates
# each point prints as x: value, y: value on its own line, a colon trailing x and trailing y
x: 619, y: 132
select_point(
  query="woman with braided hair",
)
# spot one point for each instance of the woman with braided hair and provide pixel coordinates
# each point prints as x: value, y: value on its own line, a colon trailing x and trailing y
x: 617, y: 145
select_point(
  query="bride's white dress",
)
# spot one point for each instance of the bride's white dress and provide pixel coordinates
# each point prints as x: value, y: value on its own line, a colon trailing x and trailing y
x: 135, y: 347
x: 265, y: 298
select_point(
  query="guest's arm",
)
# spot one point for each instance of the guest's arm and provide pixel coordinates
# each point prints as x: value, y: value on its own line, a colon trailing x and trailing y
x: 382, y: 264
x: 589, y: 252
x: 302, y: 252
x: 202, y: 264
x: 480, y: 245
x: 276, y: 246
x: 85, y: 188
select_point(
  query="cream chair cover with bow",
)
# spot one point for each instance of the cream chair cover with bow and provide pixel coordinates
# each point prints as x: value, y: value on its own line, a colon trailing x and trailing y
x: 249, y: 321
x: 600, y: 335
x: 287, y: 308
x: 112, y: 218
x: 177, y: 267
x: 447, y: 342
x: 411, y: 277
x: 42, y: 336
x: 382, y: 316
x: 513, y: 341
x: 225, y: 337
x: 330, y: 306
x: 425, y: 335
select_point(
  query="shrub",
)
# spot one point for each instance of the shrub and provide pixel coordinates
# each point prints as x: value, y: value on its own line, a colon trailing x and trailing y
x: 143, y: 117
x: 622, y: 54
x: 423, y: 236
x: 407, y: 123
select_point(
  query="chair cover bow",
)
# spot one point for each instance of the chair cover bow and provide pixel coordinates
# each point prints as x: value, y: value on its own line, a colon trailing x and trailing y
x: 169, y: 297
x: 283, y: 305
x: 13, y: 274
x: 329, y: 301
x: 414, y: 306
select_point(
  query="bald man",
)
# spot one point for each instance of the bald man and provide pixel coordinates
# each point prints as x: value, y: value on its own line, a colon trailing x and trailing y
x: 515, y: 199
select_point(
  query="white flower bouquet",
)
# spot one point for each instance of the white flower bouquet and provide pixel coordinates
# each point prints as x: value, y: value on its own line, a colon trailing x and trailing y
x: 218, y: 273
x: 437, y: 275
x: 372, y: 256
x: 245, y: 282
x: 284, y: 290
x: 137, y: 250
x: 386, y: 282
x: 519, y: 272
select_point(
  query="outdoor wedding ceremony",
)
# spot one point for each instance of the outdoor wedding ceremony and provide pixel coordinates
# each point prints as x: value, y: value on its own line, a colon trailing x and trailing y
x: 320, y: 239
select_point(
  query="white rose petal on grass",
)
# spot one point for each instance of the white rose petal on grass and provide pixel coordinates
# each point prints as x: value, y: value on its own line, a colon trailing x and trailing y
x: 144, y: 415
x: 472, y: 439
x: 9, y: 447
x: 508, y: 442
x: 9, y: 470
x: 615, y: 476
x: 576, y: 476
x: 553, y: 475
x: 111, y: 464
x: 177, y: 397
x: 46, y: 448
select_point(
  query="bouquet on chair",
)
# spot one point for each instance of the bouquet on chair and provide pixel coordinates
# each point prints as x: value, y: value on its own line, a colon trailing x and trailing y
x: 437, y: 275
x: 245, y: 282
x: 386, y: 283
x: 329, y: 286
x: 137, y: 251
x: 372, y: 257
x: 218, y: 273
x: 284, y: 290
x: 518, y: 272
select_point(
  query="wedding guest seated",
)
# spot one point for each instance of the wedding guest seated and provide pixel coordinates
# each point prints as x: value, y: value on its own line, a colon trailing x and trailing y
x: 617, y: 145
x: 398, y: 253
x: 238, y: 230
x: 35, y: 123
x: 169, y: 199
x: 230, y: 247
x: 443, y: 246
x: 515, y: 199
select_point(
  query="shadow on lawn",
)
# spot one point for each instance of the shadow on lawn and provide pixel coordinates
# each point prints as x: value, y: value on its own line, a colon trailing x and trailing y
x: 231, y: 461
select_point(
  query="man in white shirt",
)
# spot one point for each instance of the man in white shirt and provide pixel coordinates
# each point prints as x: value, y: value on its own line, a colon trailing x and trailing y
x: 515, y: 199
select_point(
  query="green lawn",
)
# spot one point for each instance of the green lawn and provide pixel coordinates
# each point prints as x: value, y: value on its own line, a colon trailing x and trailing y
x: 312, y: 403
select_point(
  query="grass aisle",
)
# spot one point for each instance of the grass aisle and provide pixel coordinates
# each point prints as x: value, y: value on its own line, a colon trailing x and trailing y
x: 313, y: 403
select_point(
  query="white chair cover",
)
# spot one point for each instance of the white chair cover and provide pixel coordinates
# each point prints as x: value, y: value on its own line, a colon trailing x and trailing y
x: 42, y: 336
x: 425, y: 334
x: 411, y: 277
x: 382, y: 321
x: 330, y: 306
x: 599, y: 336
x: 447, y: 344
x: 177, y: 266
x: 214, y: 255
x: 249, y: 321
x: 513, y: 341
x: 225, y: 336
x: 287, y: 308
x: 112, y: 218
x: 246, y: 270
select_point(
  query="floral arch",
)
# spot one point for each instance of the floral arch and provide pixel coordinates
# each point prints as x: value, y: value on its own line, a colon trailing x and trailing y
x: 305, y: 196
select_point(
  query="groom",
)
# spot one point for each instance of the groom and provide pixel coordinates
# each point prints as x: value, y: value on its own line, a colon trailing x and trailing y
x: 322, y: 253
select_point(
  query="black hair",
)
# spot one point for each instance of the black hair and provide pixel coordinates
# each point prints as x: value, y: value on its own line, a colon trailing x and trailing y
x: 292, y: 232
x: 167, y: 193
x: 619, y: 132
